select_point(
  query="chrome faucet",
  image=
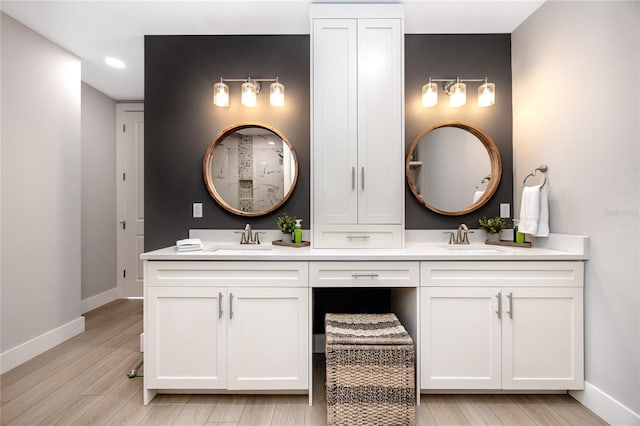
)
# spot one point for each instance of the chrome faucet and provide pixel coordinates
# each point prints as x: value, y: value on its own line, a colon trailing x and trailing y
x: 461, y: 237
x: 249, y: 237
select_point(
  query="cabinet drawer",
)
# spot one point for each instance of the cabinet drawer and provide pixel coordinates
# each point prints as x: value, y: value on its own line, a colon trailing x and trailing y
x: 364, y: 274
x: 227, y: 273
x: 503, y: 273
x: 357, y: 236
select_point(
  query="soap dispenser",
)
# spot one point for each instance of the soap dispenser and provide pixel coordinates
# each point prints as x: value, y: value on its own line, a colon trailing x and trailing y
x: 297, y: 232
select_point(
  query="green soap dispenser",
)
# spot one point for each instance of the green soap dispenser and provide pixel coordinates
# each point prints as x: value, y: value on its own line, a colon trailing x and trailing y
x: 297, y: 232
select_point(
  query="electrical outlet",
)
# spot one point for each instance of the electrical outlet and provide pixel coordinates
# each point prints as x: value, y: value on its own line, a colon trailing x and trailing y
x: 505, y: 210
x: 197, y: 209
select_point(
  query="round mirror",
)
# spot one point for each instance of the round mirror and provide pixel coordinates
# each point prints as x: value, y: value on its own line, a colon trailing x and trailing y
x: 250, y: 169
x: 453, y: 168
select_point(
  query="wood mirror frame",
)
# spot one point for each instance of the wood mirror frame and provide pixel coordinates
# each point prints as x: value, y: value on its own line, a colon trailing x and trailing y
x: 494, y: 157
x: 209, y: 178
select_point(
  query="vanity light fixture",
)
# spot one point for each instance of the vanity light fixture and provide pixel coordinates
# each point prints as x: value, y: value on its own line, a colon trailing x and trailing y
x: 249, y: 91
x: 457, y: 90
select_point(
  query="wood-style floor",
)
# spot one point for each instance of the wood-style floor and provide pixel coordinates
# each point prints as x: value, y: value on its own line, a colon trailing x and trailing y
x: 83, y: 381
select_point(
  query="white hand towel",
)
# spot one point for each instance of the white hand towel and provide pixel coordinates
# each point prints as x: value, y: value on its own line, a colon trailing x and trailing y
x: 529, y: 210
x: 477, y: 196
x: 543, y: 217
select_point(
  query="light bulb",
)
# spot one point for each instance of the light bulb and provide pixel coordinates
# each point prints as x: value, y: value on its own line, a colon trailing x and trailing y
x: 249, y: 92
x: 276, y: 98
x: 221, y: 94
x: 486, y: 94
x: 429, y: 94
x: 458, y: 94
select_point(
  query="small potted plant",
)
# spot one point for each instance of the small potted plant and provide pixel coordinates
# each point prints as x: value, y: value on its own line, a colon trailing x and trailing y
x: 493, y: 226
x: 286, y: 224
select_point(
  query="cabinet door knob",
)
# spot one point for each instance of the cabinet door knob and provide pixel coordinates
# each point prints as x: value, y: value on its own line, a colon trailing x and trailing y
x: 499, y: 311
x: 230, y: 305
x: 510, y: 311
x: 219, y: 305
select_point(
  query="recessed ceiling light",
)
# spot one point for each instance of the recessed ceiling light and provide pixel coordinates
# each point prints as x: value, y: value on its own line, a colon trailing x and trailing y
x: 115, y: 62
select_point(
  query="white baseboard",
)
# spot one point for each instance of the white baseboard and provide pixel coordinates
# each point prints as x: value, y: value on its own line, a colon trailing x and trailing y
x: 612, y: 411
x: 98, y: 300
x: 30, y: 349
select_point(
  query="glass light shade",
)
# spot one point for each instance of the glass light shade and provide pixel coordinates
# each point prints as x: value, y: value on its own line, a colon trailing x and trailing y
x: 458, y: 95
x: 249, y: 92
x: 429, y: 95
x: 276, y: 97
x: 221, y: 95
x: 486, y: 95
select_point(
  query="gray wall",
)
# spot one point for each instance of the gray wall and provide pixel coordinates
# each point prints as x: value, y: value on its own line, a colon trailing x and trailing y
x: 181, y: 121
x: 584, y: 125
x: 98, y: 192
x: 40, y: 185
x: 464, y: 56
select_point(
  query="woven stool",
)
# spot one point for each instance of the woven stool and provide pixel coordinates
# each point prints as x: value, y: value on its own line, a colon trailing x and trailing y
x: 370, y: 370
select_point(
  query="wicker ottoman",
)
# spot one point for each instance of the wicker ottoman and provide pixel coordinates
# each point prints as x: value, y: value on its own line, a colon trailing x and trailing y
x: 370, y: 370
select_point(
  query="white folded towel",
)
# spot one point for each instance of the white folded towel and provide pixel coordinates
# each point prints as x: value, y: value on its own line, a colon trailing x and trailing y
x: 189, y: 244
x: 529, y: 210
x: 543, y: 217
x: 477, y: 196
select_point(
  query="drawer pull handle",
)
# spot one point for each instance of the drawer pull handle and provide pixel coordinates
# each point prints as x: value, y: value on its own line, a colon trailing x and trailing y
x: 364, y: 237
x: 499, y: 311
x: 230, y: 305
x: 510, y: 311
x: 364, y: 275
x: 219, y: 305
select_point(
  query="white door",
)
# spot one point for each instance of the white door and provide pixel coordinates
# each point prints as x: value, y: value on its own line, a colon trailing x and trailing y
x: 186, y: 335
x: 335, y: 115
x: 268, y: 338
x: 460, y: 328
x: 130, y: 202
x: 542, y: 338
x: 380, y: 124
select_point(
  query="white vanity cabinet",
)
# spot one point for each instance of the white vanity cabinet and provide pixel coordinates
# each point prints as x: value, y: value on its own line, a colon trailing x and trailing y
x: 226, y: 326
x: 357, y: 126
x: 502, y: 325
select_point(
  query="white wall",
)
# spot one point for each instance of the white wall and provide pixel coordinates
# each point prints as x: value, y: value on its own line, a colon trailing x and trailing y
x: 98, y: 197
x: 40, y: 194
x: 576, y: 108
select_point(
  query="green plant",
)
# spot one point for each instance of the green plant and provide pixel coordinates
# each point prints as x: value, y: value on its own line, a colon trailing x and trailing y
x: 493, y: 224
x: 286, y: 223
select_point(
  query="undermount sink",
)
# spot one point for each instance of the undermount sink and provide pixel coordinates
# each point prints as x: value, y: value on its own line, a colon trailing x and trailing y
x: 471, y: 249
x: 237, y: 248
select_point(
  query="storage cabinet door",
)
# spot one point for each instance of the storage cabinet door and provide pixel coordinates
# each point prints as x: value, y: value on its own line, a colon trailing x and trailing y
x: 460, y: 338
x: 335, y: 115
x: 268, y: 338
x: 185, y: 338
x: 380, y: 125
x: 542, y: 338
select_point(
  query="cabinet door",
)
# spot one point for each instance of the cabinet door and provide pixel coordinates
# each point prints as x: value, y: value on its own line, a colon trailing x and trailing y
x: 380, y: 124
x: 460, y: 338
x: 335, y: 115
x: 185, y: 337
x: 542, y: 338
x: 268, y: 338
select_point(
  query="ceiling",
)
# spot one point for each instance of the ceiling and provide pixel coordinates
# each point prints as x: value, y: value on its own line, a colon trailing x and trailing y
x: 93, y: 30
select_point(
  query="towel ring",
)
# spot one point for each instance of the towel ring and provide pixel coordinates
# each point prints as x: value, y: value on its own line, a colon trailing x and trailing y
x: 487, y: 179
x: 543, y: 168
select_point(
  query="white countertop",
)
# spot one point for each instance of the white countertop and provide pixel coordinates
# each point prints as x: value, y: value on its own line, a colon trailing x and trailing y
x: 412, y: 251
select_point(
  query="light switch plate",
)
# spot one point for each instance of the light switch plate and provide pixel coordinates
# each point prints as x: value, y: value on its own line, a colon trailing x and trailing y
x: 505, y: 210
x: 197, y: 209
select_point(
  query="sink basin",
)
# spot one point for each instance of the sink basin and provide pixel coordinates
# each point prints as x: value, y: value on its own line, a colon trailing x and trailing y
x: 235, y: 249
x: 471, y: 249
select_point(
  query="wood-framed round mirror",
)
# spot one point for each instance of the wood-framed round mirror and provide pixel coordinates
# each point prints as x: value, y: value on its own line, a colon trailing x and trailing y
x: 250, y: 169
x: 453, y: 168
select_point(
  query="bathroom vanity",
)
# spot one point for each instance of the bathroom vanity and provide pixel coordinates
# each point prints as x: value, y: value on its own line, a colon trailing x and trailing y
x: 234, y: 318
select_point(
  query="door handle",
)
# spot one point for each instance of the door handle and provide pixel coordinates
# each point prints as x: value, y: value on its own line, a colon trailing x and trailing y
x: 219, y: 305
x: 230, y: 305
x: 353, y: 177
x: 362, y: 175
x: 499, y: 311
x: 510, y: 311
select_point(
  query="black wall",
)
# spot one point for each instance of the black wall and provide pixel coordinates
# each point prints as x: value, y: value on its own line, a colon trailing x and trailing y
x: 181, y: 121
x: 464, y: 56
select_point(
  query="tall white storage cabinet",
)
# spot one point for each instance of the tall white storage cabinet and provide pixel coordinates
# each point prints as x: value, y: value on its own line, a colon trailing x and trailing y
x: 358, y: 121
